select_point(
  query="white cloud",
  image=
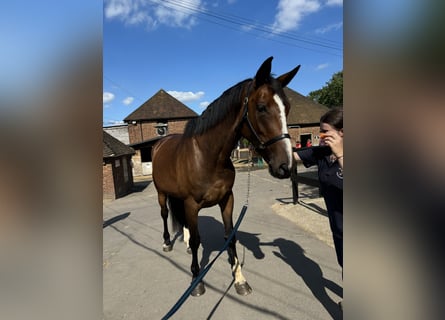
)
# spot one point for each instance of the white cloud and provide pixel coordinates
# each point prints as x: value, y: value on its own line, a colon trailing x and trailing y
x: 140, y: 17
x: 118, y: 8
x: 330, y: 27
x: 176, y: 14
x: 290, y: 13
x: 112, y: 122
x: 334, y: 2
x: 127, y: 100
x: 322, y: 66
x: 204, y: 104
x: 186, y: 96
x: 107, y: 97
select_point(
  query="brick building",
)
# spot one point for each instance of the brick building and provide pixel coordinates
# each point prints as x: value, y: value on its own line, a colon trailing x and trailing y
x: 160, y: 115
x: 117, y: 179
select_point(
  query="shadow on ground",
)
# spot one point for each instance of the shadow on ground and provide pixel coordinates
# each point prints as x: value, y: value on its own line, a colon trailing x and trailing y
x: 310, y: 272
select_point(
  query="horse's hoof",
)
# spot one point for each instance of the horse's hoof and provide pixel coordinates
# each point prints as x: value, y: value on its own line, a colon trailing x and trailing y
x: 167, y: 247
x: 243, y: 289
x: 199, y: 290
x: 189, y: 250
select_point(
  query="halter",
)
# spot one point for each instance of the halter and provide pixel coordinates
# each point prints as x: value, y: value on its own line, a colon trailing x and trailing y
x: 260, y: 145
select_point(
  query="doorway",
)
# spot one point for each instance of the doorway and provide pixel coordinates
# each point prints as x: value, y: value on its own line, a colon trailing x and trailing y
x: 304, y: 139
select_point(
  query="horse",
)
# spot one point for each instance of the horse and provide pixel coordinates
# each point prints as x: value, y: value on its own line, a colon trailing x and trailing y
x: 193, y: 170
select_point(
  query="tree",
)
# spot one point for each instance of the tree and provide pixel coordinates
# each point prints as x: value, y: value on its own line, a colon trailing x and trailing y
x: 331, y: 95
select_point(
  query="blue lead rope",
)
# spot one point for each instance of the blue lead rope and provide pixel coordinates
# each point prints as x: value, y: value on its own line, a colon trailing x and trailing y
x: 206, y: 269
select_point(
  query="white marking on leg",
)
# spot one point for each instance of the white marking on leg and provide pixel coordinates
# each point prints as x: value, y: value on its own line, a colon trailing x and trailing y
x: 284, y: 129
x: 239, y: 278
x: 186, y: 236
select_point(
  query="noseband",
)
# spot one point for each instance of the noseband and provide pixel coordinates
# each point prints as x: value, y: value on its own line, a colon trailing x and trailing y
x: 259, y: 145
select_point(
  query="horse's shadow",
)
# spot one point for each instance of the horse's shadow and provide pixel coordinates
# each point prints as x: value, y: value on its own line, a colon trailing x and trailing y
x: 310, y: 272
x: 212, y: 239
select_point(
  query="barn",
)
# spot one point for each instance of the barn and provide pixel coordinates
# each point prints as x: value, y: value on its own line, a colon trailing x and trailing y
x: 160, y: 115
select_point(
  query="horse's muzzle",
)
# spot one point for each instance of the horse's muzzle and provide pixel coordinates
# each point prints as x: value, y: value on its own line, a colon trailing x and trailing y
x: 282, y: 172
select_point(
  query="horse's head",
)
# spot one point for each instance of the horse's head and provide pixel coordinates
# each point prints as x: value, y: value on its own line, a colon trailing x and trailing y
x: 264, y: 123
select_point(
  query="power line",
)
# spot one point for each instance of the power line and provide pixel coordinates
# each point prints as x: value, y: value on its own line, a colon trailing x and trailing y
x: 266, y: 32
x: 122, y: 88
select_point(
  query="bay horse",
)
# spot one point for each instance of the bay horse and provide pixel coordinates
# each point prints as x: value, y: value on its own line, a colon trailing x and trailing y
x: 193, y: 170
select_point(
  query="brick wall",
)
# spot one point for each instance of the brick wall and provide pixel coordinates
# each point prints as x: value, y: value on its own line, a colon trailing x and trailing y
x: 147, y: 130
x: 108, y: 181
x: 176, y: 126
x: 138, y: 134
x: 295, y: 134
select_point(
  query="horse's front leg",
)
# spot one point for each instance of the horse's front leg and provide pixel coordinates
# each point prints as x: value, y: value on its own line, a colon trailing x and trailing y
x: 194, y: 242
x: 162, y: 198
x: 241, y: 285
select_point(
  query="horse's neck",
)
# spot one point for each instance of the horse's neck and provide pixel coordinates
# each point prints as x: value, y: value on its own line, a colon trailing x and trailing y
x: 222, y: 139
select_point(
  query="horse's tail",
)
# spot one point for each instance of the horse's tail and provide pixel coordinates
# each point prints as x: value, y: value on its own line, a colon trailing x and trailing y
x: 177, y: 211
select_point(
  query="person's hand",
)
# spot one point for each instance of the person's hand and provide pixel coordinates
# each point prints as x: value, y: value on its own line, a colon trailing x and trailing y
x: 334, y: 140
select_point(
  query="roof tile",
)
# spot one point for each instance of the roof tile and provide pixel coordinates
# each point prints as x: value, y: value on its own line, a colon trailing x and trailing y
x: 112, y: 147
x: 303, y: 110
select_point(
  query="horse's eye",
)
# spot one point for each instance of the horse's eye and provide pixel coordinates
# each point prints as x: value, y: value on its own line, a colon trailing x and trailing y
x: 261, y: 108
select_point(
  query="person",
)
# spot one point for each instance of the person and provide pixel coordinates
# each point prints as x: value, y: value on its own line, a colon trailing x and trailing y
x: 328, y: 156
x: 298, y: 144
x: 308, y: 143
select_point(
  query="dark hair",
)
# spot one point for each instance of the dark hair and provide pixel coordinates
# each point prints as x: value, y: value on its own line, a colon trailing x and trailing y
x: 333, y: 117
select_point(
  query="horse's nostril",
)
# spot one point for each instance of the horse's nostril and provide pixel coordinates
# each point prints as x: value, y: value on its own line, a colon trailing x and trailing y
x: 284, y: 169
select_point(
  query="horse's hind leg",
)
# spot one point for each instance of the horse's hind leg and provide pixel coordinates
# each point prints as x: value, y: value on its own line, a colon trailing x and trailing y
x: 241, y: 285
x: 162, y: 198
x: 186, y: 236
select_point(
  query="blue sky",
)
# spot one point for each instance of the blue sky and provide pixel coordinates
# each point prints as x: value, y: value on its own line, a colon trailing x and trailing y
x: 196, y: 49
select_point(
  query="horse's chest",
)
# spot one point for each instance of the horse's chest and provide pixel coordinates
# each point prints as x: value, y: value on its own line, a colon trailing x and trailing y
x: 214, y: 193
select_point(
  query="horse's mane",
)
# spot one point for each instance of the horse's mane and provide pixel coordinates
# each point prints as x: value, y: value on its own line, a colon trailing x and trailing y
x: 216, y: 111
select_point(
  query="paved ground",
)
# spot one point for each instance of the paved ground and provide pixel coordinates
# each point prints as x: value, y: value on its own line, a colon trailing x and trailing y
x: 287, y: 251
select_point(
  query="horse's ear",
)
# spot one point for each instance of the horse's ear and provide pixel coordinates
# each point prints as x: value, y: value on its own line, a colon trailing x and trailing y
x: 287, y: 77
x: 263, y: 74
